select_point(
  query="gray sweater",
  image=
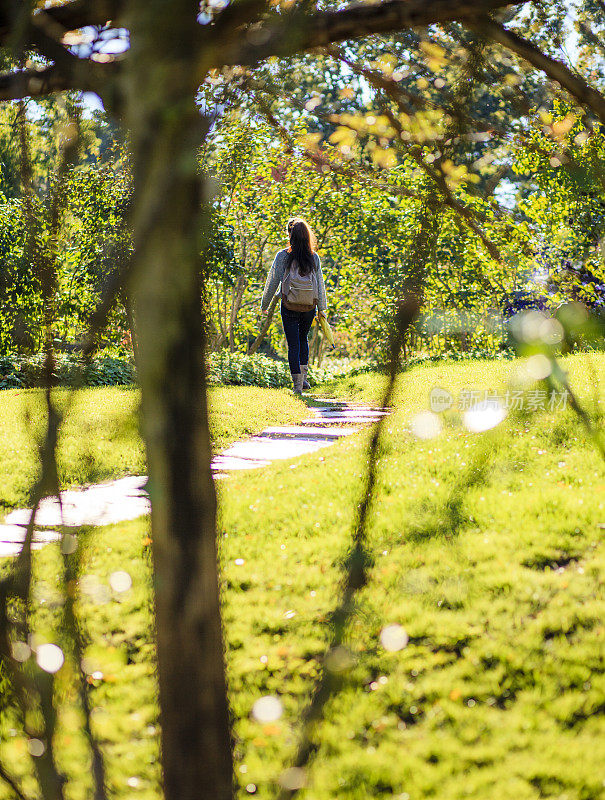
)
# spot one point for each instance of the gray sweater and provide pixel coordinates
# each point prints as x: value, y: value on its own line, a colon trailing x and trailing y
x: 276, y: 275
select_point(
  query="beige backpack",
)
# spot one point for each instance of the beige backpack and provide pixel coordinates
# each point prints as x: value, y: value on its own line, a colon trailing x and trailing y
x: 299, y: 292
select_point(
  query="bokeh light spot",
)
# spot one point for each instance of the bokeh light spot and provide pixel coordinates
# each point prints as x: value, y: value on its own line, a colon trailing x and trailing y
x: 426, y: 425
x: 50, y: 658
x: 484, y: 416
x: 120, y: 581
x: 267, y: 709
x: 393, y: 638
x: 293, y: 779
x: 20, y: 651
x: 36, y: 747
x: 538, y: 367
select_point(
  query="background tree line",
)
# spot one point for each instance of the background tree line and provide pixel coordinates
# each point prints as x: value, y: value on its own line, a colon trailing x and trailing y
x: 548, y: 239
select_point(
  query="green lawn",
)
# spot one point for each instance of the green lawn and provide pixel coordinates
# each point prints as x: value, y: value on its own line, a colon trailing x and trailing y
x: 100, y: 437
x: 488, y: 551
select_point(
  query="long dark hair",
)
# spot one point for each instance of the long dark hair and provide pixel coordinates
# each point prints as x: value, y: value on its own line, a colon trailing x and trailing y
x: 302, y: 245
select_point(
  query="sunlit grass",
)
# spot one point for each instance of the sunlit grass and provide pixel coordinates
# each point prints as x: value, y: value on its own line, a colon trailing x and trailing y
x: 488, y: 552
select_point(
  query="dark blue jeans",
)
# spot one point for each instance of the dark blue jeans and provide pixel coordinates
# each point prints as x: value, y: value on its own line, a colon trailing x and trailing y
x: 297, y: 325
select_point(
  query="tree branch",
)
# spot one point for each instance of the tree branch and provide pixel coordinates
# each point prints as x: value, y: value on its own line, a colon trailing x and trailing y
x: 467, y: 214
x: 32, y: 83
x: 79, y: 74
x: 402, y: 96
x: 70, y: 16
x: 580, y: 90
x: 294, y: 32
x: 322, y: 162
x: 274, y: 37
x: 280, y: 34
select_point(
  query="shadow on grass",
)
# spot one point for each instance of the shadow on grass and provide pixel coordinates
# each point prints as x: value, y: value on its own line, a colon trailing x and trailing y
x: 321, y: 402
x: 448, y: 518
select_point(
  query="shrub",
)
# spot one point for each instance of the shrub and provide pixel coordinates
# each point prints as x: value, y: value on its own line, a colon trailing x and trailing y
x: 223, y: 368
x: 258, y: 370
x: 28, y: 372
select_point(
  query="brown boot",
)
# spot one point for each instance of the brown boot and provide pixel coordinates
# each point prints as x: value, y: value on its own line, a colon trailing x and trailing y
x: 303, y: 371
x: 297, y: 383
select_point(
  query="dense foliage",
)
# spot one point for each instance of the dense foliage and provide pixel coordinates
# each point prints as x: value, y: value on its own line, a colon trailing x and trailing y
x: 88, y: 241
x: 538, y: 251
x: 566, y: 207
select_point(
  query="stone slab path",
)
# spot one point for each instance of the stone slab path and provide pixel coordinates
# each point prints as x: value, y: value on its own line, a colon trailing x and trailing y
x: 126, y: 498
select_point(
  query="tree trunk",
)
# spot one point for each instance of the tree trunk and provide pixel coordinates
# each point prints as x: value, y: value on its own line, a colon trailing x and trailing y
x: 263, y: 331
x: 238, y: 295
x: 127, y: 303
x: 166, y: 133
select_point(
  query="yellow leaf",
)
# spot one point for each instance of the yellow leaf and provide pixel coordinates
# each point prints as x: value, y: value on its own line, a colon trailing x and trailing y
x: 385, y: 158
x: 563, y: 126
x: 311, y: 140
x: 435, y: 55
x: 432, y: 50
x: 386, y: 63
x: 343, y: 136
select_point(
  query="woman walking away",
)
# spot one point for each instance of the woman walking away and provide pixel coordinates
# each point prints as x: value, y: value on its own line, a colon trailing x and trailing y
x: 298, y: 269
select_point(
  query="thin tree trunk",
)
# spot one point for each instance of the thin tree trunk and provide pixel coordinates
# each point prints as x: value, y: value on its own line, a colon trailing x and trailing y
x: 166, y: 133
x: 127, y: 303
x: 263, y: 331
x: 236, y: 304
x: 222, y: 337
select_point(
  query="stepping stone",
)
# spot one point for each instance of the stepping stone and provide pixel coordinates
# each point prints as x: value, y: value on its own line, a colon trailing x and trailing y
x: 12, y: 549
x: 356, y: 420
x: 101, y: 504
x: 9, y: 549
x: 15, y: 534
x: 332, y: 402
x: 347, y: 407
x: 308, y: 431
x: 229, y: 462
x: 361, y: 412
x: 267, y: 449
x: 331, y: 420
